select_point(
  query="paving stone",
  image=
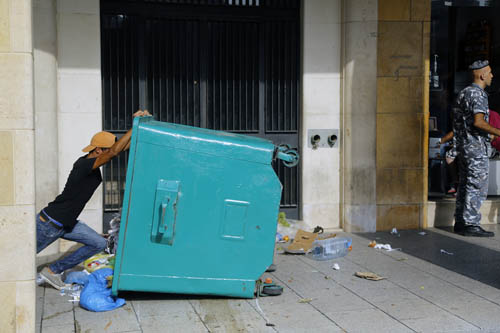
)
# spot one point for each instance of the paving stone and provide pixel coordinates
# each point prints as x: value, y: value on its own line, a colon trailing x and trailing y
x: 58, y: 329
x: 178, y: 322
x: 161, y: 307
x: 122, y: 319
x: 229, y: 315
x: 370, y: 320
x: 57, y: 314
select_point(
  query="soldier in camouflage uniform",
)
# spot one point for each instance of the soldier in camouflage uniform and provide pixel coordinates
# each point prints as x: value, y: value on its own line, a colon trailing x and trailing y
x: 472, y: 142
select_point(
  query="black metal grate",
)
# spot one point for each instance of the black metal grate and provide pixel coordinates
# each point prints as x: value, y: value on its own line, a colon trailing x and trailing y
x: 225, y: 65
x: 174, y: 71
x: 233, y: 76
x: 282, y: 76
x: 120, y: 71
x: 289, y: 4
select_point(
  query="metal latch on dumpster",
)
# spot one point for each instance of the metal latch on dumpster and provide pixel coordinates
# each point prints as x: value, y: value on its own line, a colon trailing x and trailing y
x: 288, y: 155
x: 165, y: 211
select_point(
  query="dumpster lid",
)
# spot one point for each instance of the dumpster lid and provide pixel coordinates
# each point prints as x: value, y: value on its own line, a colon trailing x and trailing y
x: 201, y: 140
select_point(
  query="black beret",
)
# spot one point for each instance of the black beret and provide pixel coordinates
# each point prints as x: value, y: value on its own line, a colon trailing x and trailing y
x: 478, y: 64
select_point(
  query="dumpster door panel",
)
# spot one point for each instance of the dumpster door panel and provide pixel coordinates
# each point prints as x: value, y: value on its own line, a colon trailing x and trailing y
x: 165, y: 212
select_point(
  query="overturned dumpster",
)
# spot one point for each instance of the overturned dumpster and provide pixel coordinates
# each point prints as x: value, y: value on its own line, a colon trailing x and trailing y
x: 199, y: 211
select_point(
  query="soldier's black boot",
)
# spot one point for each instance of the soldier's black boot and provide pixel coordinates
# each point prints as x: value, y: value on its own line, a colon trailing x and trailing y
x: 459, y: 228
x: 476, y: 231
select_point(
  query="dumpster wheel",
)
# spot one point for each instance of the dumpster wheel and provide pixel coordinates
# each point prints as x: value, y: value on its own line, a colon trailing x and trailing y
x: 268, y: 289
x: 272, y: 290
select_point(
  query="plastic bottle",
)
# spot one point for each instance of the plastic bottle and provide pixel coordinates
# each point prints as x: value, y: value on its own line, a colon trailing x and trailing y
x: 330, y: 248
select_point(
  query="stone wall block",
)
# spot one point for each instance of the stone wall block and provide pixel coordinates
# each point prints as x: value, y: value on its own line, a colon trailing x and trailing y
x: 420, y: 10
x: 6, y: 168
x: 20, y: 26
x: 18, y: 306
x: 24, y: 171
x: 394, y: 10
x: 399, y: 143
x: 17, y: 240
x: 399, y: 95
x: 16, y: 91
x: 4, y: 26
x: 399, y: 216
x: 399, y: 49
x: 360, y: 10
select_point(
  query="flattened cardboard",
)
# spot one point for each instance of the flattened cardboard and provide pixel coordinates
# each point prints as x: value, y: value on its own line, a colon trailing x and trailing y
x: 302, y: 242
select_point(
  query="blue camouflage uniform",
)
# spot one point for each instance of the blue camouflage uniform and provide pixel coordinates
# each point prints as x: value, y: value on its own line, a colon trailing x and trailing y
x: 473, y: 149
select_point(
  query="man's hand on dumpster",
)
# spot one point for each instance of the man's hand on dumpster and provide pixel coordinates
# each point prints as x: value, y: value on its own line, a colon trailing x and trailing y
x: 140, y: 113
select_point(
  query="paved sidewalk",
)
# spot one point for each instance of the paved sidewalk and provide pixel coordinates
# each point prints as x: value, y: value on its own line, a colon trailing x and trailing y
x: 424, y: 291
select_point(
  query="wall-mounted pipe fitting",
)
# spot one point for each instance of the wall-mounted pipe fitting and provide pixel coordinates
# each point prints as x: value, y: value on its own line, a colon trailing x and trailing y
x: 322, y: 138
x: 332, y: 139
x: 315, y: 140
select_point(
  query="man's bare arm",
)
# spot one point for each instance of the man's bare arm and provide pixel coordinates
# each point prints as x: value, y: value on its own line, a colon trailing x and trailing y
x: 482, y: 124
x: 119, y: 146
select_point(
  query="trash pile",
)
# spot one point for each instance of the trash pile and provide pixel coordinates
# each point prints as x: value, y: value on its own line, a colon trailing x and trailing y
x: 91, y: 287
x: 315, y: 245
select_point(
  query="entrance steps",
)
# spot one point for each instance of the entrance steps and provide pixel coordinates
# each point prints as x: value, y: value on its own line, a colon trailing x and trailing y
x: 440, y: 211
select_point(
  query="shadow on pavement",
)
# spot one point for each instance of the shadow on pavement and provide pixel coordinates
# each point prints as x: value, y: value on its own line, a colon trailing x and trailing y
x: 475, y: 261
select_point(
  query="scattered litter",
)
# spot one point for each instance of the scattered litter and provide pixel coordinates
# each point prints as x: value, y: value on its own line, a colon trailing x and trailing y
x: 39, y: 280
x: 268, y: 280
x: 327, y: 277
x: 282, y: 219
x: 113, y: 233
x: 268, y: 323
x: 446, y: 252
x: 318, y: 230
x: 422, y: 233
x: 302, y: 242
x: 402, y: 259
x: 422, y: 287
x: 336, y: 266
x: 306, y: 300
x: 369, y: 276
x: 383, y: 246
x: 99, y: 261
x: 394, y: 231
x: 372, y: 244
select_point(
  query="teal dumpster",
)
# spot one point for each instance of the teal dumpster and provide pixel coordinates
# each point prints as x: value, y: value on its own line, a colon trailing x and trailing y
x: 199, y: 212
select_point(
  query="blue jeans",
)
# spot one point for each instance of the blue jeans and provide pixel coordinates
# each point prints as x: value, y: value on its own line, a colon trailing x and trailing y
x: 47, y: 233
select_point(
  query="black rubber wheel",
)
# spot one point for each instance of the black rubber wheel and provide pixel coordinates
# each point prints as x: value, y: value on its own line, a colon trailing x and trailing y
x: 272, y: 290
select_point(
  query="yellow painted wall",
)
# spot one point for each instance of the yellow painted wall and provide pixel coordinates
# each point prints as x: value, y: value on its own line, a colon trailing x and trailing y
x: 402, y: 112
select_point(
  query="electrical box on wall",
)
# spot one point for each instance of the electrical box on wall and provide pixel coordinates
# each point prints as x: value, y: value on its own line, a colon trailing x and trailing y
x: 322, y: 138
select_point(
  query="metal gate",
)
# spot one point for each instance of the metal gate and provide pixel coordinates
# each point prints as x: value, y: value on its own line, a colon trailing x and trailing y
x: 231, y: 65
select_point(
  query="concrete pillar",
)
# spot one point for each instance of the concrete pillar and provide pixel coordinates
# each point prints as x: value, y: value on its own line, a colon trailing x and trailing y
x: 359, y: 41
x: 17, y: 159
x: 402, y: 112
x: 321, y: 81
x: 45, y: 80
x: 79, y: 93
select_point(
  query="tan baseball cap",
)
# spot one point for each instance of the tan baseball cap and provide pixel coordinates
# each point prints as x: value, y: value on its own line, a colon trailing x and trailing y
x: 101, y: 140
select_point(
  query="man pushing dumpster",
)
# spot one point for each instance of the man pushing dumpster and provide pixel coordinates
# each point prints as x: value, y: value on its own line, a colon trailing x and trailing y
x: 60, y: 218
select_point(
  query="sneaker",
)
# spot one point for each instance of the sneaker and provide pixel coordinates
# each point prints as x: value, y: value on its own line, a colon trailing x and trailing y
x: 452, y: 190
x: 53, y: 279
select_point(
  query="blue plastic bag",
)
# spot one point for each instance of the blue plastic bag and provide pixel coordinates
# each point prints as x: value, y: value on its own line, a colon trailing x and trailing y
x: 81, y: 278
x: 95, y: 296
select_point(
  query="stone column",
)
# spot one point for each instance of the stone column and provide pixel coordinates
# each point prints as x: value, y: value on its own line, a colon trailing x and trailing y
x: 45, y: 81
x: 359, y: 115
x: 79, y: 93
x: 322, y: 76
x: 402, y: 112
x: 17, y: 182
